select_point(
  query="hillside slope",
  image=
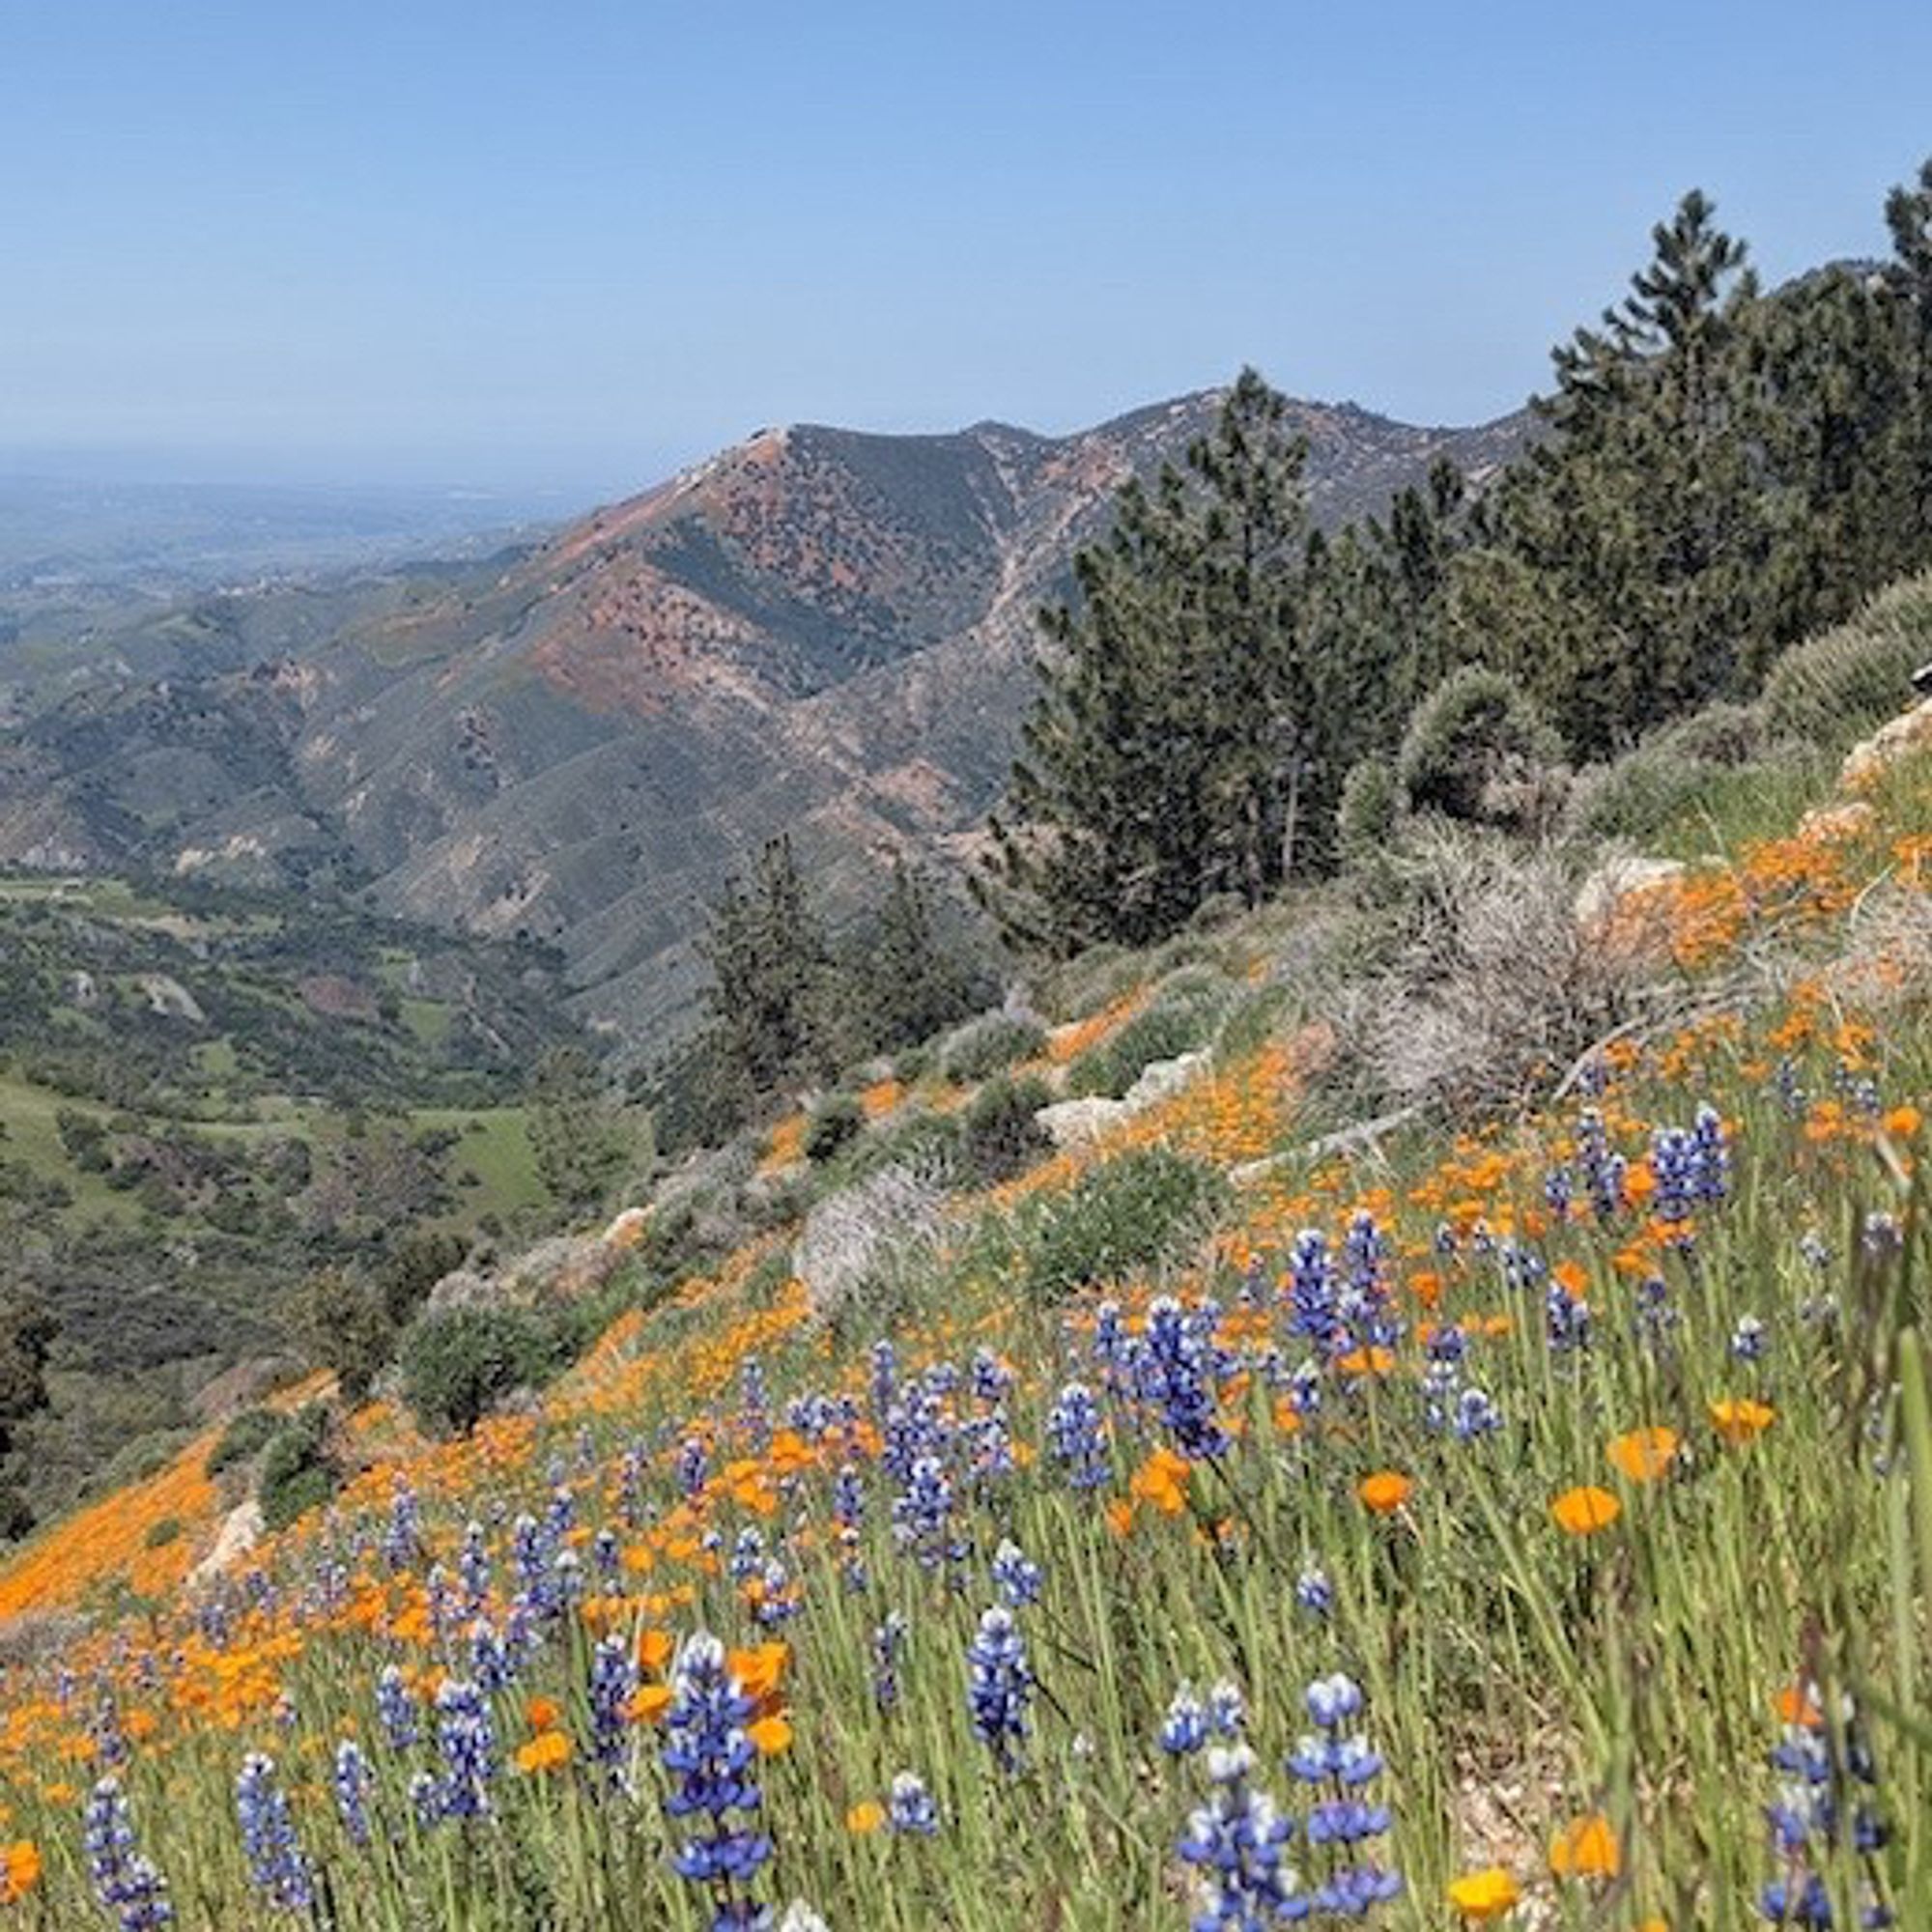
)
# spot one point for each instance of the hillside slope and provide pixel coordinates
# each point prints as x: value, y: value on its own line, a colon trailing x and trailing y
x: 816, y: 631
x: 1540, y: 1490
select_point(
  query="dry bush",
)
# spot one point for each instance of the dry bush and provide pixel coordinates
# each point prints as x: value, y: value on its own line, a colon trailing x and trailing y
x: 861, y: 1248
x: 1490, y: 987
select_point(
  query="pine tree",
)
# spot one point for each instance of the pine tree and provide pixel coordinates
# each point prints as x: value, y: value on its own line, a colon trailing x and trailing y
x: 1641, y: 507
x: 905, y: 982
x: 1181, y: 715
x: 769, y: 965
x: 577, y: 1134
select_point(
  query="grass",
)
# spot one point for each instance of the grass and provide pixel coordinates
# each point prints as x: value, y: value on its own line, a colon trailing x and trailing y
x: 1700, y: 1523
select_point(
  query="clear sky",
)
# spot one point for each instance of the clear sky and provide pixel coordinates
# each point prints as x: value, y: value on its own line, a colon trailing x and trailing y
x: 573, y: 244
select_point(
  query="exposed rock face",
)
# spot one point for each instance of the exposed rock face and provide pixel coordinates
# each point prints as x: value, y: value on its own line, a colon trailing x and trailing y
x: 239, y: 1532
x: 1899, y: 739
x: 1075, y: 1122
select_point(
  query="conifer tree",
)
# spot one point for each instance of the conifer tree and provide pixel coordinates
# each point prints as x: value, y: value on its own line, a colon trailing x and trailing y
x: 768, y: 959
x: 1181, y: 712
x: 906, y: 985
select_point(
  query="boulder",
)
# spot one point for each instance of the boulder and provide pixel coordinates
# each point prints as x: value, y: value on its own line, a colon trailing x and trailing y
x: 1614, y: 881
x: 239, y: 1532
x: 1075, y: 1122
x: 1161, y: 1078
x: 1888, y: 746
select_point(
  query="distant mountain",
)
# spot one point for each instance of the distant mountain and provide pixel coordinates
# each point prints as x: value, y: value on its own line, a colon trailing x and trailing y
x: 818, y: 630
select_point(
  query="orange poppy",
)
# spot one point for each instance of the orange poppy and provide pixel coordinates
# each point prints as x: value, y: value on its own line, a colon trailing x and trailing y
x: 1587, y: 1848
x: 548, y: 1751
x: 1385, y: 1491
x: 1585, y: 1510
x: 1739, y: 1420
x: 1482, y: 1895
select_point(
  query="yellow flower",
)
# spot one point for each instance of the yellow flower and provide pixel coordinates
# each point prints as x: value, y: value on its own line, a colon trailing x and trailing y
x: 1738, y: 1419
x: 1483, y: 1896
x: 1585, y: 1510
x: 548, y: 1751
x: 868, y: 1815
x: 1587, y: 1848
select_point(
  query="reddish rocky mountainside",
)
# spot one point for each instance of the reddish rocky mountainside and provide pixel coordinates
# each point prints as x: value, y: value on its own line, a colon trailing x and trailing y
x: 816, y: 630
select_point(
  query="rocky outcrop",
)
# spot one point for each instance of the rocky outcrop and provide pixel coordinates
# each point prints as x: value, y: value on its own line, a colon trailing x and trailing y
x: 1865, y: 763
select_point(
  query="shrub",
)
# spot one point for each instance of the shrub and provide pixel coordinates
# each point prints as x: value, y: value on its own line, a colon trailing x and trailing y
x: 458, y: 1365
x: 296, y: 1474
x: 1473, y: 746
x: 1181, y: 1017
x: 999, y: 1135
x: 834, y: 1123
x: 859, y: 1247
x: 989, y: 1045
x: 1125, y: 1216
x: 1835, y: 689
x: 912, y: 1063
x: 1650, y: 788
x: 244, y: 1437
x: 1369, y: 815
x: 1490, y: 984
x: 162, y: 1533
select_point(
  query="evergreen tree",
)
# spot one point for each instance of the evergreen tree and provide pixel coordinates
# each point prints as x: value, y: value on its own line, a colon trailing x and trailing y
x: 1181, y: 713
x: 905, y: 982
x: 769, y: 966
x: 1641, y: 507
x: 577, y: 1134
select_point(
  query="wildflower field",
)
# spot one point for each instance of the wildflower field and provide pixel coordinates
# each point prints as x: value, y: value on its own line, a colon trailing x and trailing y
x: 1532, y: 1529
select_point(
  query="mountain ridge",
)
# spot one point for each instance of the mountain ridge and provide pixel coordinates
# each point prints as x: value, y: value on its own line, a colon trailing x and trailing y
x: 819, y: 630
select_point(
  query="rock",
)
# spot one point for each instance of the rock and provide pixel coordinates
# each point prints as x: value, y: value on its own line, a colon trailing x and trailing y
x: 239, y: 1532
x: 168, y: 997
x: 628, y: 1230
x: 1075, y: 1122
x: 560, y: 1269
x: 1830, y: 823
x: 1616, y: 880
x: 1887, y: 747
x: 464, y: 1287
x: 1160, y: 1078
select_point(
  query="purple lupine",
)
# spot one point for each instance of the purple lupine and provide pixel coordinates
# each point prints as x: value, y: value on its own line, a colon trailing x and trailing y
x: 910, y: 1809
x: 467, y: 1738
x: 711, y: 1762
x: 1074, y: 1430
x: 613, y: 1679
x: 353, y: 1782
x: 396, y: 1709
x: 124, y: 1881
x: 277, y: 1864
x: 999, y: 1685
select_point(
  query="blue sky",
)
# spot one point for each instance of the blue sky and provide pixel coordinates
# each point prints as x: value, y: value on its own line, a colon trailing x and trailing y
x: 573, y: 244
